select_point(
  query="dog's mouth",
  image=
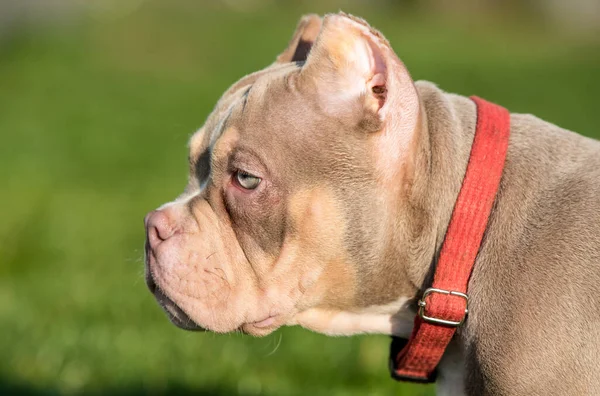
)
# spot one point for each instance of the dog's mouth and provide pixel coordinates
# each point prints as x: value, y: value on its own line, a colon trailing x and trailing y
x: 176, y: 315
x: 263, y: 327
x: 182, y: 320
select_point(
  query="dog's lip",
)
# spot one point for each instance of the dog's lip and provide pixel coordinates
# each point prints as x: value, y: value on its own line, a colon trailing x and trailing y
x: 264, y: 323
x: 176, y: 315
x: 262, y: 327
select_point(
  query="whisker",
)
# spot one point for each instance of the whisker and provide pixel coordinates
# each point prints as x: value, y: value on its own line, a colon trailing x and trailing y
x: 276, y: 346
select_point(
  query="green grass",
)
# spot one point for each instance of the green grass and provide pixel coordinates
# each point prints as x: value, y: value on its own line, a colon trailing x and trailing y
x: 94, y: 119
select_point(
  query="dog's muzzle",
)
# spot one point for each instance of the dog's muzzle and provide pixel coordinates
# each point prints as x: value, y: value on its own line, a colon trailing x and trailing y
x: 156, y: 233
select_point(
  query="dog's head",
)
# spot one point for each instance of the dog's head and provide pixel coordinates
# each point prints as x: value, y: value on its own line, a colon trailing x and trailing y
x: 293, y: 209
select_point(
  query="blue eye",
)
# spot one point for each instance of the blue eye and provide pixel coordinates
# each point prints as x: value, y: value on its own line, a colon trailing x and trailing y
x: 246, y: 180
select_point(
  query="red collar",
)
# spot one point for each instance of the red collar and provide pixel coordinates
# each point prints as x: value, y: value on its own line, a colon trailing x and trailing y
x: 443, y: 307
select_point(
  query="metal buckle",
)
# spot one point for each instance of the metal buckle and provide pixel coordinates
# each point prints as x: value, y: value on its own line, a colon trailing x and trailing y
x: 430, y: 319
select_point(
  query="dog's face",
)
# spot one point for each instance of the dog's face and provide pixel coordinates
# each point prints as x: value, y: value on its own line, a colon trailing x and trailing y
x: 293, y: 195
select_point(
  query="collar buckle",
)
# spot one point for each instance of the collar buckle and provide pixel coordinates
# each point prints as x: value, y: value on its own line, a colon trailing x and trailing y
x: 445, y: 322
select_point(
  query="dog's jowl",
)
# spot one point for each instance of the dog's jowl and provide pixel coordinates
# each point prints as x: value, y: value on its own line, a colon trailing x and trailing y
x: 320, y: 194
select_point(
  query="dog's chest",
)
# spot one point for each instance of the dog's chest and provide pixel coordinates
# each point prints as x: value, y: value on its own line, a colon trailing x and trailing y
x: 451, y: 372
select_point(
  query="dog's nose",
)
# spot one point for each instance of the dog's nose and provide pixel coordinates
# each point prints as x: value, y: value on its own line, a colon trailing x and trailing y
x: 158, y: 228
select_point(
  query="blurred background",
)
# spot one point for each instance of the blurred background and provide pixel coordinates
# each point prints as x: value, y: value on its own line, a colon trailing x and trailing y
x: 97, y: 101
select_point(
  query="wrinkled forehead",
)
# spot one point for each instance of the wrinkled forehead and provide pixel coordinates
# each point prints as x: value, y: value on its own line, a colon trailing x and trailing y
x: 249, y: 101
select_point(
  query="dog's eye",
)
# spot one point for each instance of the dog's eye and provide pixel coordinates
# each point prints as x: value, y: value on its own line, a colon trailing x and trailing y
x: 246, y: 180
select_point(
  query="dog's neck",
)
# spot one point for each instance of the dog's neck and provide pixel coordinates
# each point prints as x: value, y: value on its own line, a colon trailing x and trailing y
x: 440, y: 155
x: 442, y: 150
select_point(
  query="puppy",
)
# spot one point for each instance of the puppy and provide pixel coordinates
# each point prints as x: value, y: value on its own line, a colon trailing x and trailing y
x: 320, y: 191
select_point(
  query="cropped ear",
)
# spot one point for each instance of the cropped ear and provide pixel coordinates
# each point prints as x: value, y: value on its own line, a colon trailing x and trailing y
x: 356, y: 75
x: 302, y: 41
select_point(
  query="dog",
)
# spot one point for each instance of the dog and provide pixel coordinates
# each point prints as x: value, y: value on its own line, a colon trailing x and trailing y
x: 320, y: 192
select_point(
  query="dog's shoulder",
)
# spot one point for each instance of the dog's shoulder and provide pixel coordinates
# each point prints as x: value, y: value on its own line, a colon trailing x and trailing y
x: 539, y: 265
x: 541, y: 253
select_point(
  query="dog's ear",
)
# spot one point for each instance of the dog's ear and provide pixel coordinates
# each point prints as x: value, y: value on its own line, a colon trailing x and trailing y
x: 302, y: 41
x: 355, y: 74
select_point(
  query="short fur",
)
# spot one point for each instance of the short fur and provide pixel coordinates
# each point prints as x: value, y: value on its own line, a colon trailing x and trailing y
x: 360, y: 169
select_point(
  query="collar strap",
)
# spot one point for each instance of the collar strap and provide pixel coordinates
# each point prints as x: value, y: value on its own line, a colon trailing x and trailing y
x: 444, y: 306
